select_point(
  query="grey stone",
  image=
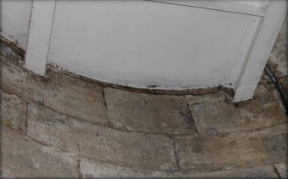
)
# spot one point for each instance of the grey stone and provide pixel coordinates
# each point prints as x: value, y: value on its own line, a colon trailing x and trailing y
x: 276, y: 145
x: 24, y: 158
x: 213, y: 113
x: 282, y: 169
x: 76, y: 97
x: 214, y: 153
x: 60, y: 92
x: 284, y: 83
x: 7, y: 52
x: 100, y: 143
x: 12, y: 111
x: 278, y: 57
x: 148, y: 113
x: 255, y: 172
x: 92, y: 169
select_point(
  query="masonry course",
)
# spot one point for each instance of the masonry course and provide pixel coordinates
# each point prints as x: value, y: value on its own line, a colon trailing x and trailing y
x: 61, y: 126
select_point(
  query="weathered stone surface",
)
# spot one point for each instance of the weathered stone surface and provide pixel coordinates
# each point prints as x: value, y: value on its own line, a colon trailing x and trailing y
x: 92, y: 169
x: 77, y: 98
x: 256, y: 148
x: 282, y: 169
x: 12, y: 111
x: 284, y: 83
x: 276, y: 146
x: 23, y: 158
x: 100, y: 143
x: 149, y: 113
x: 219, y: 153
x: 214, y: 114
x: 60, y: 92
x: 278, y: 56
x: 257, y: 172
x: 9, y: 53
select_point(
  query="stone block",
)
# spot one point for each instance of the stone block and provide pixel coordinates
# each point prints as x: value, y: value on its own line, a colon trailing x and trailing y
x: 284, y: 83
x: 60, y: 92
x: 149, y: 113
x: 276, y: 146
x: 238, y: 150
x: 278, y: 57
x: 260, y: 172
x: 282, y: 169
x: 75, y: 97
x: 213, y: 113
x: 9, y: 52
x: 24, y: 158
x: 255, y: 172
x: 100, y: 143
x: 13, y: 111
x: 92, y: 169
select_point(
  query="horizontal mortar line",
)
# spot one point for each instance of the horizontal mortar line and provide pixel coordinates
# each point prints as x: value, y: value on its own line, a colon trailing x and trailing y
x: 105, y: 126
x: 29, y: 101
x: 12, y: 45
x: 242, y: 167
x: 104, y: 85
x: 208, y: 8
x: 230, y: 134
x: 82, y: 156
x: 148, y: 91
x: 4, y: 125
x: 262, y: 128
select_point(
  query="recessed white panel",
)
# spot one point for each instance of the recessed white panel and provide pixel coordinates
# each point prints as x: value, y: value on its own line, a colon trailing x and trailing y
x: 142, y: 43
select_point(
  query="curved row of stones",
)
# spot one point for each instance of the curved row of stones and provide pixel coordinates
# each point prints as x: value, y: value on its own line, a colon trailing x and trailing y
x: 61, y: 126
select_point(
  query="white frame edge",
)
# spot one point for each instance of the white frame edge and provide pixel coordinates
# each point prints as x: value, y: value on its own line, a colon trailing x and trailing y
x: 40, y: 27
x: 253, y: 68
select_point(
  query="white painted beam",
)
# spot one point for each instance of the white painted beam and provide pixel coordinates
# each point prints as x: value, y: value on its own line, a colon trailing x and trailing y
x: 39, y: 35
x: 263, y: 45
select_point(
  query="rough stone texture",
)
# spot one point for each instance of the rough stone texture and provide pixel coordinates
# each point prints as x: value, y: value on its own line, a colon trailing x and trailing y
x: 284, y: 83
x: 23, y: 158
x: 91, y: 169
x: 9, y: 53
x: 255, y: 172
x: 60, y: 92
x: 278, y: 56
x: 149, y: 113
x: 12, y: 111
x: 100, y: 143
x: 213, y: 113
x: 282, y: 169
x: 276, y: 146
x: 200, y: 153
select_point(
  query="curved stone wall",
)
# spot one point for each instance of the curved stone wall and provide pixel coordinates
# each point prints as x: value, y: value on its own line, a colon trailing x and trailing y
x: 63, y: 126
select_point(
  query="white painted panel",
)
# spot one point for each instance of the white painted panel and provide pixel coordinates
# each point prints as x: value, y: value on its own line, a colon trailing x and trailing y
x: 253, y: 7
x: 39, y: 36
x: 142, y: 43
x: 15, y: 16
